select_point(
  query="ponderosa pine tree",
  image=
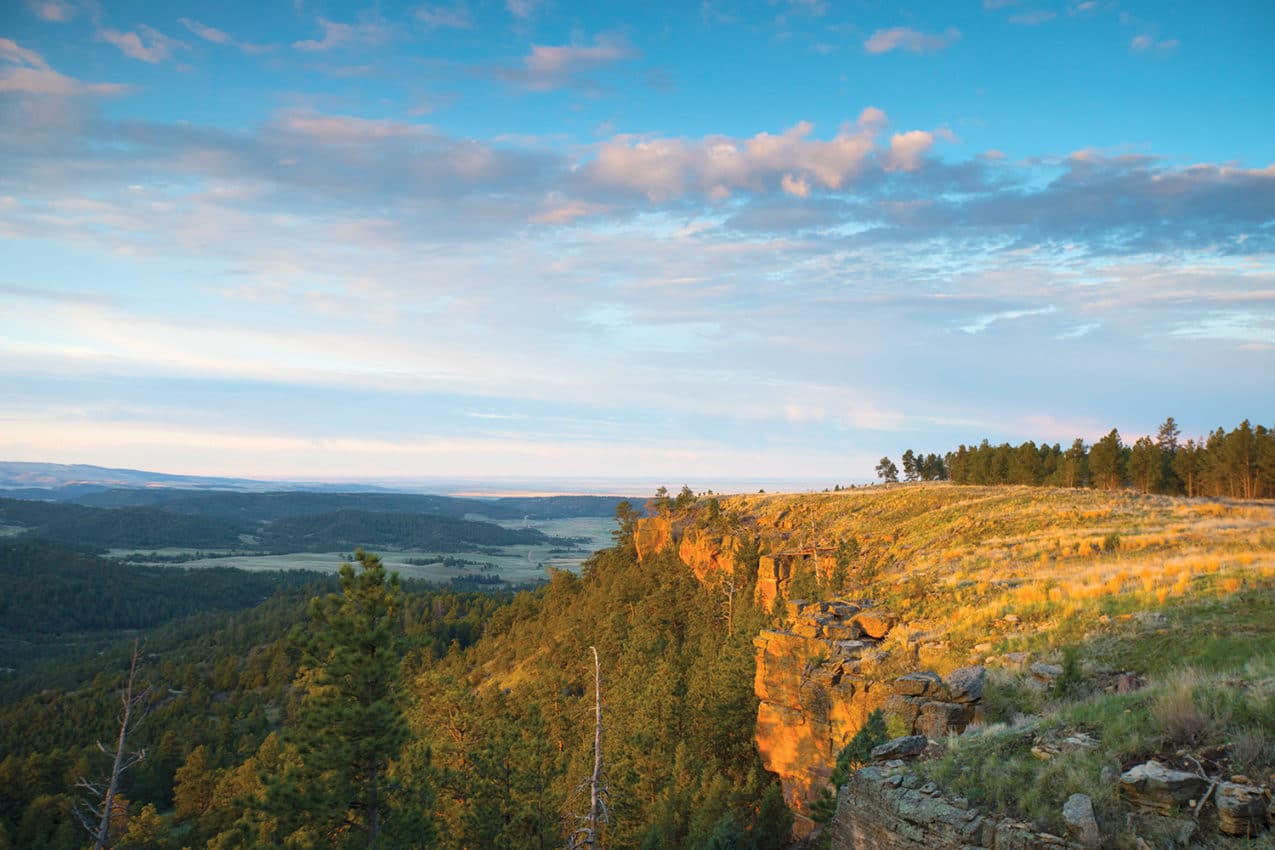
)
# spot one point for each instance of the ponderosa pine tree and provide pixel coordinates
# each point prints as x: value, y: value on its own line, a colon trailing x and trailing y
x: 349, y: 727
x: 911, y: 467
x: 887, y: 471
x: 1106, y: 462
x: 1146, y: 465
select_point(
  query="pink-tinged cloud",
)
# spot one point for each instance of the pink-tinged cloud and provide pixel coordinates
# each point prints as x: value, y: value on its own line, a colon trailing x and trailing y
x: 872, y: 119
x: 795, y: 186
x: 53, y: 11
x: 907, y: 150
x: 549, y: 67
x: 337, y: 35
x: 445, y: 17
x: 24, y: 71
x: 913, y: 41
x: 563, y: 211
x: 146, y: 45
x: 717, y: 165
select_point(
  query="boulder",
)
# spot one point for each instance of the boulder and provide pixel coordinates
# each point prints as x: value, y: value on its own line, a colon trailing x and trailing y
x: 966, y: 683
x: 908, y: 746
x: 1081, y: 823
x: 1158, y: 788
x: 1046, y: 673
x: 875, y: 624
x: 1241, y: 809
x: 918, y: 684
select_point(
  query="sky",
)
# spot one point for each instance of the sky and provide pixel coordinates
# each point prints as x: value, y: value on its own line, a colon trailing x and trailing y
x: 696, y: 241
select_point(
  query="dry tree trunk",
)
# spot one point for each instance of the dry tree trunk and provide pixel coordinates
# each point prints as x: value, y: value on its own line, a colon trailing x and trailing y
x: 588, y: 834
x: 87, y: 812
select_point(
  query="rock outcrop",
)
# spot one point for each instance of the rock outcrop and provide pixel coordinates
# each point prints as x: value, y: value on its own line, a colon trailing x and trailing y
x: 710, y: 555
x: 1241, y: 809
x: 884, y: 808
x: 1161, y: 789
x: 652, y: 534
x: 819, y: 679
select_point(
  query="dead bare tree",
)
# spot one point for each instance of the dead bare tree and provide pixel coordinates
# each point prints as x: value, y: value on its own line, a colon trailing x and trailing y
x: 95, y: 808
x: 587, y: 834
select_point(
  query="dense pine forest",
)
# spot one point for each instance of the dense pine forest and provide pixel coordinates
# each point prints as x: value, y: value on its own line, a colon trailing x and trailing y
x: 1238, y: 464
x: 398, y: 714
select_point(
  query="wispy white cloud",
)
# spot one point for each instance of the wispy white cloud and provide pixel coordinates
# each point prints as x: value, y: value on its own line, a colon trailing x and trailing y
x: 910, y: 40
x: 340, y: 35
x: 522, y: 8
x: 982, y: 323
x: 25, y: 71
x: 1145, y: 43
x: 445, y: 17
x: 221, y: 37
x: 147, y: 44
x: 53, y: 11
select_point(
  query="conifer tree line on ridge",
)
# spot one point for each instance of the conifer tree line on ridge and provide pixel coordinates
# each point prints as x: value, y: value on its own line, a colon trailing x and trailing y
x: 1237, y: 464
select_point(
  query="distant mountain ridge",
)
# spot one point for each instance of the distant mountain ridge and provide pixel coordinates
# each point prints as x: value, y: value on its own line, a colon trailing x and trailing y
x: 86, y: 478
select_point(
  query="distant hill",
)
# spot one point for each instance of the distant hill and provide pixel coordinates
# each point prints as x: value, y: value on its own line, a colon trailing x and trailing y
x: 314, y: 530
x: 121, y: 528
x: 55, y: 476
x: 249, y: 500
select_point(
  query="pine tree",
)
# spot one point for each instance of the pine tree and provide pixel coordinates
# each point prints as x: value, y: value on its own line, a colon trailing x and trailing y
x: 1146, y: 467
x: 911, y: 469
x: 349, y: 727
x: 887, y: 471
x: 1106, y: 462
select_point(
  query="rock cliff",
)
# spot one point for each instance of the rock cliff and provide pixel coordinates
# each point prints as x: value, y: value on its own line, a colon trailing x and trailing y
x: 820, y: 677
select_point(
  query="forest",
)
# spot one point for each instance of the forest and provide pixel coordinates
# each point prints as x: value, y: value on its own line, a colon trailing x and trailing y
x: 101, y: 529
x: 1237, y: 464
x: 396, y: 713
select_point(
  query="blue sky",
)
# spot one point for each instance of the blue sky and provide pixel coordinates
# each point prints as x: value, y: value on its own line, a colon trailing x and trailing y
x: 690, y: 241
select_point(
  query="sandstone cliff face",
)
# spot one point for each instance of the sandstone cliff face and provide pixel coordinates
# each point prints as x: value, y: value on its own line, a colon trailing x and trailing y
x: 816, y: 683
x: 889, y: 808
x: 651, y: 535
x: 709, y: 555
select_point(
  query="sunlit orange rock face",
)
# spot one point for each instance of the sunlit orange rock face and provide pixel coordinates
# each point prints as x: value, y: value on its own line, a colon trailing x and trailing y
x: 710, y: 556
x: 815, y: 679
x: 651, y: 535
x: 819, y: 676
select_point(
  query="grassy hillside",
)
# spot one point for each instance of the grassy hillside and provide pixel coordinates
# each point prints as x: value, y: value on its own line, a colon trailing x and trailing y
x: 1169, y: 601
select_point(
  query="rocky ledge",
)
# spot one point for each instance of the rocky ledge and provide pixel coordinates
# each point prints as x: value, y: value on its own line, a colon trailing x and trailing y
x: 820, y: 678
x: 890, y: 808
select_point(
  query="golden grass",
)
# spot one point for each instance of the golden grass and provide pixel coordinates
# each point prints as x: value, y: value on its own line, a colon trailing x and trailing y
x: 1047, y: 555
